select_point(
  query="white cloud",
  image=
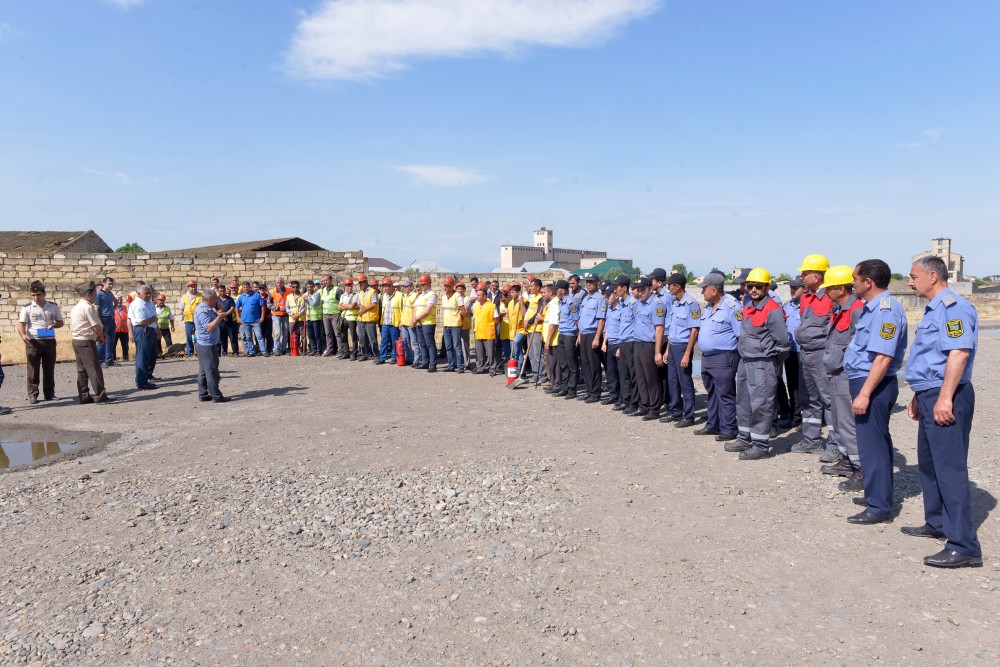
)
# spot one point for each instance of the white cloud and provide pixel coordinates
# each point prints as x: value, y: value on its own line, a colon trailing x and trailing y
x: 910, y: 146
x: 365, y: 39
x: 119, y: 177
x: 126, y: 4
x: 936, y: 132
x: 8, y: 33
x: 442, y: 175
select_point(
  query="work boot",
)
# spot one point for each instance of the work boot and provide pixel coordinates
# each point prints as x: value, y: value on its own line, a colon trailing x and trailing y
x: 756, y: 453
x: 737, y: 446
x: 856, y: 482
x: 841, y: 468
x: 805, y: 447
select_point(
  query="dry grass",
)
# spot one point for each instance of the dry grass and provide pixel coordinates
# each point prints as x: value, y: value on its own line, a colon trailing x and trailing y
x: 12, y: 348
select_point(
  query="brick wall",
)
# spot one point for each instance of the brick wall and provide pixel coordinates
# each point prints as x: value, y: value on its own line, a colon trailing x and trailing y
x: 166, y: 272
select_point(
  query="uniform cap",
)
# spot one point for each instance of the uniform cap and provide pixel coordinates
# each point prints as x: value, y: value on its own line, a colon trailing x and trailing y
x: 562, y: 284
x: 192, y: 282
x: 713, y: 279
x: 407, y: 283
x: 530, y: 277
x: 590, y: 277
x: 795, y: 282
x: 677, y: 279
x: 623, y: 280
x: 317, y: 281
x: 659, y: 274
x: 644, y: 282
x: 741, y: 277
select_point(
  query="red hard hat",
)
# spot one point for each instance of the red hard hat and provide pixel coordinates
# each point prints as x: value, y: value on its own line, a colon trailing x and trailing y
x: 425, y: 279
x: 387, y: 281
x: 448, y: 281
x: 362, y: 278
x: 459, y: 284
x: 530, y: 277
x: 192, y: 282
x: 348, y: 281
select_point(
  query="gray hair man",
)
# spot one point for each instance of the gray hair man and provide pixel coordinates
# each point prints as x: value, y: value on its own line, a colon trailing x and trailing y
x: 207, y: 338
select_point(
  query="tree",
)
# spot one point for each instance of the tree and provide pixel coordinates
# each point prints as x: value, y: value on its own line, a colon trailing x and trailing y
x: 613, y: 273
x: 783, y: 277
x: 132, y: 248
x: 680, y: 268
x: 899, y: 276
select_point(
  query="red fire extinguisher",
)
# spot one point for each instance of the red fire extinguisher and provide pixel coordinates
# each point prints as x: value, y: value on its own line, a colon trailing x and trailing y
x: 295, y: 342
x: 400, y: 352
x: 511, y: 371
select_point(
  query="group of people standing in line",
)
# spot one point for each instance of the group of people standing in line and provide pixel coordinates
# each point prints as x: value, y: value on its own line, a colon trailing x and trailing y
x: 837, y: 346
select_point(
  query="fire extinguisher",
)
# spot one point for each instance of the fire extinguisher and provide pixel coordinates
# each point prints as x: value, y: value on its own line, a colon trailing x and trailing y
x: 511, y: 371
x: 295, y: 342
x: 400, y: 352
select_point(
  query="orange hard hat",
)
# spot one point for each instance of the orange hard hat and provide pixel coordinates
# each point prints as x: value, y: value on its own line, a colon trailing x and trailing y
x: 530, y: 277
x: 460, y: 284
x: 387, y: 281
x: 425, y: 279
x: 348, y: 281
x: 505, y: 288
x: 448, y: 281
x: 362, y: 278
x: 192, y: 282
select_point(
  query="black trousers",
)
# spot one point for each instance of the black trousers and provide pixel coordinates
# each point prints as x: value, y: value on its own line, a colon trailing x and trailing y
x: 647, y: 376
x: 626, y: 375
x: 590, y: 358
x: 611, y: 360
x: 567, y: 362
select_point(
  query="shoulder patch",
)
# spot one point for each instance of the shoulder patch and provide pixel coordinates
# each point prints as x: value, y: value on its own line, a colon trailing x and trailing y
x: 572, y: 308
x: 885, y: 303
x: 659, y: 312
x: 949, y: 299
x: 888, y: 331
x: 739, y: 315
x: 695, y: 313
x: 955, y: 328
x: 604, y: 307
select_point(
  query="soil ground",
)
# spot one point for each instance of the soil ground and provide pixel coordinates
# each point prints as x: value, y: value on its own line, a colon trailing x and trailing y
x: 339, y: 513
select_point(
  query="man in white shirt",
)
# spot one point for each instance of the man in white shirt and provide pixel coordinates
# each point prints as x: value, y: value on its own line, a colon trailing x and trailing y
x: 143, y: 328
x: 87, y: 331
x: 37, y: 325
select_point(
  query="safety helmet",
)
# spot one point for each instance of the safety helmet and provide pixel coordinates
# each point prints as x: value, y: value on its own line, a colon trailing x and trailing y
x: 425, y: 279
x: 838, y: 275
x: 759, y: 275
x: 448, y: 281
x: 815, y: 263
x: 192, y: 283
x: 348, y: 281
x: 387, y: 281
x: 459, y: 284
x: 362, y: 278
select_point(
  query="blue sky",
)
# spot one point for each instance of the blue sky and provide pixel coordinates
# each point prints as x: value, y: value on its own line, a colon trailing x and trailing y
x: 711, y: 133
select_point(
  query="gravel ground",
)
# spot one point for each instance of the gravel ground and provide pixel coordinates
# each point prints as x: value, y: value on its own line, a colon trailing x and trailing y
x: 351, y: 514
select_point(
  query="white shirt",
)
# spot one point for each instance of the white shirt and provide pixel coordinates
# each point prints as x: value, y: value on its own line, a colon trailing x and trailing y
x: 82, y: 320
x: 140, y: 310
x: 40, y: 317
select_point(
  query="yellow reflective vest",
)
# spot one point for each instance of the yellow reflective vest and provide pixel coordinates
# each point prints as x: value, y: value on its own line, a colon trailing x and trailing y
x: 190, y: 303
x: 423, y: 300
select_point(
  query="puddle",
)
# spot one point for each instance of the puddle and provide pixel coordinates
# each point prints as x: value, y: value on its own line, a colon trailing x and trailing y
x: 25, y: 447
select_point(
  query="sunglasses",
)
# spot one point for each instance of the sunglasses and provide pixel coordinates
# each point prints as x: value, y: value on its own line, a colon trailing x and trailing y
x: 757, y: 286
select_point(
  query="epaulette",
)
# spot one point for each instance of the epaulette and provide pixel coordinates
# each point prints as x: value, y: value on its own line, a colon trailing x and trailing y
x: 729, y: 300
x: 949, y: 300
x: 885, y: 303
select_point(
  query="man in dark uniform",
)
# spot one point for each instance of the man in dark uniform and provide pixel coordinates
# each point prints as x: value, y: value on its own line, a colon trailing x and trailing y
x: 658, y: 279
x: 626, y: 348
x: 683, y: 321
x: 650, y: 314
x: 569, y: 318
x: 593, y: 311
x: 940, y: 373
x: 717, y: 340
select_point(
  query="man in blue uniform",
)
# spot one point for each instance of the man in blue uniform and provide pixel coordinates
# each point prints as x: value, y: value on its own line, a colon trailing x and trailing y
x: 684, y: 319
x: 626, y: 349
x: 658, y: 279
x: 569, y: 318
x: 871, y: 362
x: 650, y: 313
x: 612, y: 341
x: 717, y: 339
x: 940, y: 373
x: 593, y: 311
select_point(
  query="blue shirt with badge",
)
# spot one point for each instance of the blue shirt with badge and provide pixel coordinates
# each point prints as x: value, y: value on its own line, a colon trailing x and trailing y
x: 684, y: 315
x: 793, y: 317
x: 950, y: 323
x: 569, y: 317
x: 649, y: 314
x: 627, y: 317
x: 720, y: 326
x: 613, y: 323
x: 203, y: 316
x: 594, y: 307
x: 881, y: 329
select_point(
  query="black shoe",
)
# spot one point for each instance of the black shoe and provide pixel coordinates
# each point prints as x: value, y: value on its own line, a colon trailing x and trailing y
x: 650, y: 416
x: 784, y: 423
x: 379, y: 362
x: 448, y: 370
x: 460, y: 371
x: 725, y: 437
x: 32, y: 400
x: 582, y: 396
x: 684, y: 423
x: 639, y: 412
x: 153, y: 377
x: 756, y: 453
x: 842, y: 468
x: 86, y: 401
x: 607, y: 401
x: 109, y: 364
x: 856, y: 482
x: 432, y: 369
x: 550, y: 390
x: 205, y: 399
x: 921, y: 531
x: 666, y: 419
x: 738, y: 446
x: 860, y: 500
x: 618, y: 407
x: 705, y: 431
x: 221, y: 399
x: 570, y: 395
x: 148, y: 386
x: 866, y: 518
x: 951, y: 558
x: 106, y: 399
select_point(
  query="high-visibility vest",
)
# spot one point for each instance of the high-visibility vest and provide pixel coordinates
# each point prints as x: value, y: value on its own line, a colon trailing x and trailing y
x: 451, y: 310
x: 423, y: 300
x: 532, y: 311
x: 467, y: 317
x: 190, y: 303
x: 407, y: 316
x: 292, y: 305
x: 278, y: 300
x: 367, y: 298
x: 331, y: 300
x: 513, y: 322
x: 315, y: 313
x: 349, y: 314
x: 395, y: 303
x: 163, y: 319
x: 484, y: 314
x: 121, y: 319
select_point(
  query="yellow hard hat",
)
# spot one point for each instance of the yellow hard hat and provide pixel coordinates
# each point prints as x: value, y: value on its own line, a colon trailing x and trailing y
x: 815, y: 263
x: 838, y: 275
x: 759, y: 275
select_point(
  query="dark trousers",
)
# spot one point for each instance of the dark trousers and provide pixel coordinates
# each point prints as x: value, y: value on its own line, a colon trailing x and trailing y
x: 647, y: 376
x: 614, y: 384
x: 875, y: 443
x: 552, y: 364
x: 425, y: 338
x: 121, y: 337
x: 88, y: 371
x: 350, y: 339
x: 208, y: 371
x: 567, y: 351
x: 333, y: 328
x: 189, y: 344
x: 165, y: 337
x: 317, y: 343
x: 41, y: 360
x: 788, y: 392
x: 229, y: 336
x: 681, y: 382
x: 267, y: 330
x: 485, y: 354
x: 943, y: 458
x: 626, y: 375
x: 453, y: 347
x: 367, y: 340
x: 145, y: 354
x: 106, y: 351
x: 591, y: 362
x: 718, y: 374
